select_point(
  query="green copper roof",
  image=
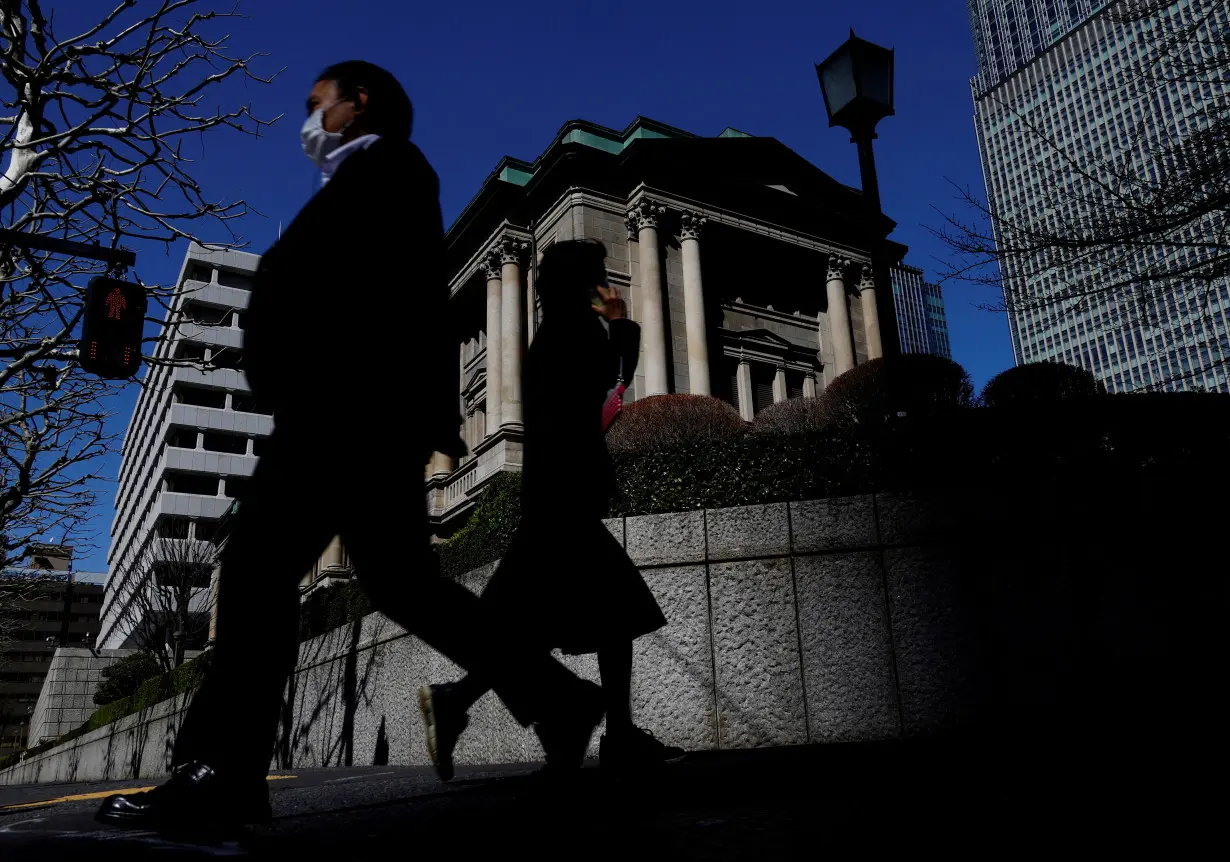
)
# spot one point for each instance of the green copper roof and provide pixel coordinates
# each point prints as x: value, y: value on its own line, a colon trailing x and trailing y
x: 599, y: 138
x: 516, y: 176
x: 518, y: 173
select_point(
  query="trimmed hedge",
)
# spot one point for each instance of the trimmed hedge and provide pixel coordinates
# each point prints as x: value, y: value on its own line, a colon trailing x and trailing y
x: 917, y: 384
x: 1038, y: 383
x: 486, y: 535
x: 669, y: 421
x: 792, y: 416
x: 332, y: 607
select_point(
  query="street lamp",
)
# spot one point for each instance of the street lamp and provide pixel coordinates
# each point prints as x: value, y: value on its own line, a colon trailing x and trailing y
x: 857, y: 83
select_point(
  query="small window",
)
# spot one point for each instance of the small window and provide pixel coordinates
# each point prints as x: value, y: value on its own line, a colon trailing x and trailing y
x: 207, y: 315
x: 237, y: 488
x: 762, y: 386
x: 190, y: 483
x: 190, y: 351
x: 232, y: 444
x: 246, y: 403
x: 173, y: 528
x: 227, y: 358
x: 182, y: 438
x: 234, y: 279
x: 199, y: 396
x: 206, y: 530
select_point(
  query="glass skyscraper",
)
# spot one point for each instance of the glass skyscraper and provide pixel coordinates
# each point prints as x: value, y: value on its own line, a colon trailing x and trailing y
x: 921, y: 321
x: 1061, y: 109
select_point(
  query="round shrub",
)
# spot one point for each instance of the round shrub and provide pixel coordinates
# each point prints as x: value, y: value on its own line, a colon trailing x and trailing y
x: 671, y: 421
x: 122, y: 678
x: 1037, y: 383
x: 793, y: 416
x: 917, y: 384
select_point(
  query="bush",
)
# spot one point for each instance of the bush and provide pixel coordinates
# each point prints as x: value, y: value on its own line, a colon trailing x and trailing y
x: 918, y: 384
x: 485, y: 537
x: 750, y: 469
x: 793, y: 416
x: 146, y: 693
x: 670, y: 421
x: 122, y: 678
x: 1038, y: 383
x: 332, y: 607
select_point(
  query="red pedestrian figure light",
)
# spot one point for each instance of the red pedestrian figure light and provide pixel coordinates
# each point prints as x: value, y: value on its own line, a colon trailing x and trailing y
x: 116, y: 303
x: 111, y: 328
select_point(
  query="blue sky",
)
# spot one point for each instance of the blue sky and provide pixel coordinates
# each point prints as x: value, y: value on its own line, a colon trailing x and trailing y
x: 492, y: 79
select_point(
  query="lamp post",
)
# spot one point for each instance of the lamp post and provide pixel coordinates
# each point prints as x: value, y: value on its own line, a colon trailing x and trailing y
x: 857, y: 83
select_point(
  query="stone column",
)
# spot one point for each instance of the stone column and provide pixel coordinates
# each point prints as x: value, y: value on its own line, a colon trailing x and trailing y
x: 513, y: 315
x: 491, y: 268
x: 780, y: 392
x: 809, y: 386
x: 441, y: 465
x: 334, y: 559
x: 747, y: 401
x: 694, y: 305
x: 643, y: 223
x: 871, y: 313
x: 839, y: 315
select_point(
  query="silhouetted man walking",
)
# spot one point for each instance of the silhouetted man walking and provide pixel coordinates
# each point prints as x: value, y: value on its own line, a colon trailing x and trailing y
x: 347, y: 340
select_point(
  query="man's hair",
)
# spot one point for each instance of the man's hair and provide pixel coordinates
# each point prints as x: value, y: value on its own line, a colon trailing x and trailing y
x: 570, y: 269
x: 389, y: 112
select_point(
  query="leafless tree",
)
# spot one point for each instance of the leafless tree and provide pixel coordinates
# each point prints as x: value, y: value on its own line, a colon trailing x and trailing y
x: 96, y: 146
x: 169, y: 599
x: 1138, y: 228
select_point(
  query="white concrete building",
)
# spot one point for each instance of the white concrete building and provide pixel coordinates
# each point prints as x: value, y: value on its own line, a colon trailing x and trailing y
x: 195, y: 434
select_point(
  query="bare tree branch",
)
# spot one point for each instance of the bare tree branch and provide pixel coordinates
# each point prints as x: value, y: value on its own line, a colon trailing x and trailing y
x: 165, y: 595
x: 1133, y: 232
x: 92, y: 149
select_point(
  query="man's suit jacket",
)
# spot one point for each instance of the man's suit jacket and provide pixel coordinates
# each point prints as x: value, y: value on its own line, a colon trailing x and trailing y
x: 349, y: 313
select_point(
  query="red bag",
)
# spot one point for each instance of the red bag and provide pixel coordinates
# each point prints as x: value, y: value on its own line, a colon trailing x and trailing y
x: 615, y: 401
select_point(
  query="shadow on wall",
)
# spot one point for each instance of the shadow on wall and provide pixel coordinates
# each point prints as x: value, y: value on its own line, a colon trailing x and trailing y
x: 337, y: 675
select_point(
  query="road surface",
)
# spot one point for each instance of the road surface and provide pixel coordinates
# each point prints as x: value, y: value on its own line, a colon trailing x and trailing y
x: 815, y: 802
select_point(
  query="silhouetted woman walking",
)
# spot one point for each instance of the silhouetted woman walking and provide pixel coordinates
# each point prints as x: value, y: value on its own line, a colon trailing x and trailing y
x: 564, y: 577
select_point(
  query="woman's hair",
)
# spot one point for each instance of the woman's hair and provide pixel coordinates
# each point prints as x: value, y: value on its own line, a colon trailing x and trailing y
x: 388, y: 112
x: 570, y: 270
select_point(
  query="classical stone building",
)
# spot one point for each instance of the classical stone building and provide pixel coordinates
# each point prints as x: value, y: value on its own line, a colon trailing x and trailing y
x: 754, y: 275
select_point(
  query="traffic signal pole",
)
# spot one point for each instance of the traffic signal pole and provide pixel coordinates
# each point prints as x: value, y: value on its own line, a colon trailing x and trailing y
x: 114, y: 312
x: 117, y: 258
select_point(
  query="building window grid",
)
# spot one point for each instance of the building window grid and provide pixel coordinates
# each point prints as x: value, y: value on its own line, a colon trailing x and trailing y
x: 1109, y: 135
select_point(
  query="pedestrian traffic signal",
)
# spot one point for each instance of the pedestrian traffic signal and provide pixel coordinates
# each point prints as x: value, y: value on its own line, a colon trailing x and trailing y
x: 111, y: 331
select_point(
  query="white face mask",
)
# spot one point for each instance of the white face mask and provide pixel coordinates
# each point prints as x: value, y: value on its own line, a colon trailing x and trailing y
x: 318, y: 143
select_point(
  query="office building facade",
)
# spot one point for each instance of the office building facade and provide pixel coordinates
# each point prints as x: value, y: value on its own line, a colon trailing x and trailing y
x: 60, y: 607
x: 921, y: 320
x: 1060, y: 104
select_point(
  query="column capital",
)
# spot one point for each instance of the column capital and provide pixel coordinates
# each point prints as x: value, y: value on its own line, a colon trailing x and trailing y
x: 866, y: 278
x: 837, y: 268
x: 691, y: 224
x: 490, y: 265
x: 510, y: 249
x: 644, y: 213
